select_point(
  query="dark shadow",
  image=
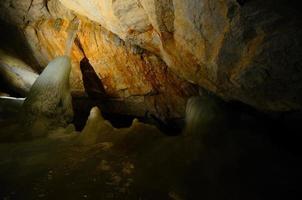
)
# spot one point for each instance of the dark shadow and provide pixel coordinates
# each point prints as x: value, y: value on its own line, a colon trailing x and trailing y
x: 4, y: 88
x: 13, y: 41
x: 170, y: 127
x: 242, y: 2
x: 92, y: 83
x: 82, y: 107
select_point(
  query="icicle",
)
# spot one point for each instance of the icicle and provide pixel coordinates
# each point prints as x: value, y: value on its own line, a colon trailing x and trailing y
x: 72, y: 33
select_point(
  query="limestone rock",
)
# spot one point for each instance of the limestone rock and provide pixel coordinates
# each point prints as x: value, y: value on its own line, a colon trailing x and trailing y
x: 15, y: 74
x: 128, y: 72
x: 23, y: 12
x: 247, y: 51
x: 148, y: 51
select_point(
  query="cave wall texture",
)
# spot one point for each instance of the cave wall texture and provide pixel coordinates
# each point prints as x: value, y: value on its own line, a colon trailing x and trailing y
x: 152, y: 53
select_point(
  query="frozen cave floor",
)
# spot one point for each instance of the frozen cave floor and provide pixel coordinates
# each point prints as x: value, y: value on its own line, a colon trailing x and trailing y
x: 139, y: 162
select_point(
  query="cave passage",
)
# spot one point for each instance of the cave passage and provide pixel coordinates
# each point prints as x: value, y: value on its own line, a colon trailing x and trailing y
x: 150, y: 100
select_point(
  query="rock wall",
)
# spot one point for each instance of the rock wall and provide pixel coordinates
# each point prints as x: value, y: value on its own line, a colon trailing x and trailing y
x: 150, y: 52
x: 135, y: 80
x: 16, y: 74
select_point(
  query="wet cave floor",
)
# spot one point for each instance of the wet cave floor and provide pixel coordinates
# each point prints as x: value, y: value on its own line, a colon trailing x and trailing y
x: 251, y: 159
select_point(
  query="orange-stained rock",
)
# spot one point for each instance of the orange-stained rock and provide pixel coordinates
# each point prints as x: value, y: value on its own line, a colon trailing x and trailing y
x: 47, y: 38
x: 128, y: 72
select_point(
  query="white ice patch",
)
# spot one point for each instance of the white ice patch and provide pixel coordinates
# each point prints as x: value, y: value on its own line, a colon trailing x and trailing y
x: 48, y: 103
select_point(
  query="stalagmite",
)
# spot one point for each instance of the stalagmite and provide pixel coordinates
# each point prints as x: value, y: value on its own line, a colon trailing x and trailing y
x: 203, y: 115
x: 49, y: 104
x: 96, y: 127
